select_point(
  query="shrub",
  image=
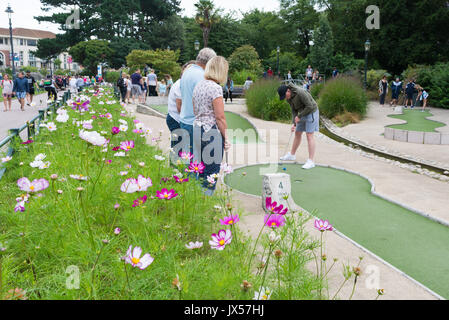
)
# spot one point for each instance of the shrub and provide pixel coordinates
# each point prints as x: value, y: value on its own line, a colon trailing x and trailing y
x: 315, y: 90
x: 112, y: 76
x: 240, y: 77
x: 162, y: 61
x: 342, y: 95
x: 263, y: 101
x: 245, y: 58
x: 374, y: 76
x: 288, y: 61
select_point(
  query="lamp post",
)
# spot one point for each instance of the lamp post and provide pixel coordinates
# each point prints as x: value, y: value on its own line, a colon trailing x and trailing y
x: 278, y: 51
x: 367, y: 48
x: 10, y: 12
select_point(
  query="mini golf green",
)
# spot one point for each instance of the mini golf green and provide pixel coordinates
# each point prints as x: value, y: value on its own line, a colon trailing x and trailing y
x: 416, y: 121
x: 235, y: 122
x: 414, y: 244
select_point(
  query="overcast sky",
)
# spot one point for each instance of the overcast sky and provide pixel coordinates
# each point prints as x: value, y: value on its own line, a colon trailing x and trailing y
x: 25, y: 10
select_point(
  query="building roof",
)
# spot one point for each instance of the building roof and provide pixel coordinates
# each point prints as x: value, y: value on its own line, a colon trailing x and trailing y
x: 28, y: 33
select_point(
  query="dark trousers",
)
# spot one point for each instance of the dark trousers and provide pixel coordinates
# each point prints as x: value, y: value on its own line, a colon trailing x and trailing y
x: 228, y: 94
x: 172, y: 125
x: 123, y: 92
x: 152, y: 91
x: 382, y: 98
x: 51, y: 92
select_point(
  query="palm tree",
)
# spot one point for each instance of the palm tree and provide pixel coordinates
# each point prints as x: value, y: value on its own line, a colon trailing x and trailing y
x: 206, y: 16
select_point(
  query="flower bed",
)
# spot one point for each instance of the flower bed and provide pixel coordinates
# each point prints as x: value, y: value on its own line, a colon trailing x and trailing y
x: 90, y: 211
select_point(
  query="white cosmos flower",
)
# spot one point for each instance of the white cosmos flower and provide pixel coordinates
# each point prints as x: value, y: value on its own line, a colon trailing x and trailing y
x: 273, y: 237
x: 6, y: 159
x: 123, y: 128
x: 194, y: 245
x: 40, y: 156
x: 124, y: 122
x: 93, y: 137
x: 78, y: 177
x: 159, y: 158
x: 120, y: 154
x: 262, y: 294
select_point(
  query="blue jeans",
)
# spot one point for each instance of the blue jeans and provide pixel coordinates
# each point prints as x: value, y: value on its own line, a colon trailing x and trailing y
x: 189, y: 129
x: 212, y: 157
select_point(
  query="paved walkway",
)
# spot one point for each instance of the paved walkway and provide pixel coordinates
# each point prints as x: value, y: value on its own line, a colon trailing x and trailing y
x: 370, y: 130
x: 16, y: 118
x: 421, y: 193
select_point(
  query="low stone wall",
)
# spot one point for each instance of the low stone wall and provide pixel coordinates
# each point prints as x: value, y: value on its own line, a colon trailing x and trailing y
x: 418, y: 137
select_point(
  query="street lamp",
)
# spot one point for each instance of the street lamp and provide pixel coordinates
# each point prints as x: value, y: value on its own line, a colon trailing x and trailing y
x: 10, y: 12
x: 278, y: 51
x: 367, y: 48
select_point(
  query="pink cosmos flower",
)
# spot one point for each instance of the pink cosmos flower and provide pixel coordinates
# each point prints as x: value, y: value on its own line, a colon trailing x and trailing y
x: 164, y: 194
x: 115, y: 148
x: 134, y: 259
x: 115, y: 130
x: 323, y: 225
x: 127, y: 145
x: 273, y: 207
x: 117, y: 231
x: 108, y: 161
x: 178, y: 180
x: 116, y: 206
x: 196, y: 167
x: 27, y: 142
x: 220, y: 240
x: 34, y: 186
x: 87, y: 126
x: 139, y: 202
x: 185, y: 155
x: 274, y: 220
x: 136, y: 121
x: 230, y: 220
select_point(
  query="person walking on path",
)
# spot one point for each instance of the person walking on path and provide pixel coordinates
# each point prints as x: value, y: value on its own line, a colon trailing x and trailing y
x: 210, y: 121
x: 7, y: 86
x: 129, y: 86
x: 383, y: 90
x: 410, y: 91
x: 121, y: 84
x: 162, y: 88
x: 191, y: 77
x: 31, y: 87
x: 20, y: 89
x: 136, y: 90
x: 306, y: 118
x: 396, y: 90
x: 228, y: 89
x: 152, y: 84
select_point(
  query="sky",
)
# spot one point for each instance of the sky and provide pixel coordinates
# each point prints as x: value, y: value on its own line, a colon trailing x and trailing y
x: 25, y: 10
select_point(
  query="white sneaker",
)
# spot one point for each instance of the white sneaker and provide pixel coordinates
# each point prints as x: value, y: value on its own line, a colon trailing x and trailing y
x: 288, y: 157
x: 308, y: 165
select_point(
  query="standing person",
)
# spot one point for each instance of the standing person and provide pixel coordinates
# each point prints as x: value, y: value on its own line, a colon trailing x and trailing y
x: 409, y: 91
x: 174, y: 105
x: 396, y: 90
x: 144, y: 86
x: 31, y: 87
x: 72, y: 85
x: 121, y: 84
x: 136, y: 90
x: 270, y: 73
x: 169, y: 82
x: 189, y: 80
x: 210, y: 121
x: 129, y: 86
x: 306, y: 118
x: 152, y: 83
x: 422, y: 96
x: 7, y: 86
x: 50, y: 87
x: 289, y: 76
x: 335, y: 73
x: 162, y: 88
x: 229, y: 88
x: 247, y: 84
x: 20, y: 89
x: 383, y: 90
x: 315, y: 76
x: 309, y: 73
x: 80, y: 83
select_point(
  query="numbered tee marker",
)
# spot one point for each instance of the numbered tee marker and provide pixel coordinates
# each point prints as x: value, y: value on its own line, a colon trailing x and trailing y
x: 278, y: 187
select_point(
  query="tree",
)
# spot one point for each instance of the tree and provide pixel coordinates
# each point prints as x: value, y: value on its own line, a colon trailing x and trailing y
x: 245, y: 58
x: 206, y: 16
x: 163, y: 61
x: 322, y: 50
x: 91, y: 53
x: 288, y: 61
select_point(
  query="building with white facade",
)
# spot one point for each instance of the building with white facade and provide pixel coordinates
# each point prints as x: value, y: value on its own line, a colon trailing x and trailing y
x: 25, y: 42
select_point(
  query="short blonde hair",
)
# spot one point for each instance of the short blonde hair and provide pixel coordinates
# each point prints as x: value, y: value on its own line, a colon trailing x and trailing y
x: 217, y: 69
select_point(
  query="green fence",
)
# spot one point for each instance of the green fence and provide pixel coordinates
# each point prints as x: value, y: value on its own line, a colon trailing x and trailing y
x: 32, y: 127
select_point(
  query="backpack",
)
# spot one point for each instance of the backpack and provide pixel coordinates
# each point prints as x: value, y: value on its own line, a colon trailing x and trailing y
x: 120, y: 83
x: 47, y: 83
x: 59, y: 82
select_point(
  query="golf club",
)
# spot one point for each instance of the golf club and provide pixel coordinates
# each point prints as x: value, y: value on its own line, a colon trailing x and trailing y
x: 289, y: 140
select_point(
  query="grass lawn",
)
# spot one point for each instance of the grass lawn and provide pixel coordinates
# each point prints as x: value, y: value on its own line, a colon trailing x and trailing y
x: 416, y: 121
x: 410, y: 242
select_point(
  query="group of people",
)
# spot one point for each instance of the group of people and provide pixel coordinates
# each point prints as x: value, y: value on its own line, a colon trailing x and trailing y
x: 397, y: 87
x: 139, y: 87
x: 23, y: 87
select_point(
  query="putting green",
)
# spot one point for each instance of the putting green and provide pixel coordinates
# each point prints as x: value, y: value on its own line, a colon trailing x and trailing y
x: 235, y: 122
x: 408, y: 241
x: 416, y: 121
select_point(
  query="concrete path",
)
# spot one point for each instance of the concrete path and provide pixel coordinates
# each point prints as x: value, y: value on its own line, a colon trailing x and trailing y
x: 371, y: 128
x: 419, y: 192
x: 16, y: 118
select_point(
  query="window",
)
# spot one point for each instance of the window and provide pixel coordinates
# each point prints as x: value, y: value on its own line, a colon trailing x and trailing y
x: 21, y: 42
x: 21, y: 58
x: 32, y: 43
x: 2, y: 60
x: 3, y: 40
